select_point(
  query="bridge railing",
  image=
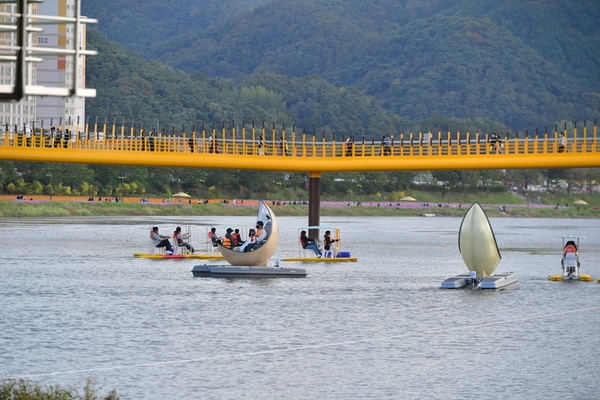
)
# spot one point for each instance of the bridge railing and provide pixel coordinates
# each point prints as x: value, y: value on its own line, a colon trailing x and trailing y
x: 293, y: 144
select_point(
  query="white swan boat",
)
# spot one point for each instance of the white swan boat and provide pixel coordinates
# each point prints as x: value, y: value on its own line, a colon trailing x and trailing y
x: 480, y: 253
x: 570, y: 262
x: 252, y: 263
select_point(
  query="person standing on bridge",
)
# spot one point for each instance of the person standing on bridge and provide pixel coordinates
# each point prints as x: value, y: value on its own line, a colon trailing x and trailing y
x: 283, y: 147
x: 496, y: 143
x: 562, y: 142
x: 55, y: 135
x: 213, y: 145
x: 386, y: 144
x: 349, y: 146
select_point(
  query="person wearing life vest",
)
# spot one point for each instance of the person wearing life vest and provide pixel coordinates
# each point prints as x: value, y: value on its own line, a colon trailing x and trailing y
x: 214, y: 238
x: 228, y: 240
x: 327, y: 240
x: 179, y: 237
x: 237, y: 238
x: 570, y: 247
x: 309, y: 244
x: 261, y: 236
x: 261, y: 233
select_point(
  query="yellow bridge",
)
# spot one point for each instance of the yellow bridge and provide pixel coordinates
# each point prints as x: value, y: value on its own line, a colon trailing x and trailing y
x: 281, y: 150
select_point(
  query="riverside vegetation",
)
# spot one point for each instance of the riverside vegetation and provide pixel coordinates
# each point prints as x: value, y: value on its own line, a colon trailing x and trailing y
x: 20, y: 389
x: 453, y: 205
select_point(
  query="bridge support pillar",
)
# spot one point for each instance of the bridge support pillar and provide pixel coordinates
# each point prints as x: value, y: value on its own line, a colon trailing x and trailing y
x: 314, y: 202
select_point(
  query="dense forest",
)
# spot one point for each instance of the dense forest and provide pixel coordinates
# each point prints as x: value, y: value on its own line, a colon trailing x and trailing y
x: 337, y: 66
x: 521, y: 63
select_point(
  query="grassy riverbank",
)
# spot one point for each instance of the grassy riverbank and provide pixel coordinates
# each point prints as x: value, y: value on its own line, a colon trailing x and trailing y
x: 67, y: 208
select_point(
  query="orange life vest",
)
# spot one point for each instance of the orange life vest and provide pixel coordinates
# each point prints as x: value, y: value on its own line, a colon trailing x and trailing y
x: 570, y: 249
x: 227, y: 242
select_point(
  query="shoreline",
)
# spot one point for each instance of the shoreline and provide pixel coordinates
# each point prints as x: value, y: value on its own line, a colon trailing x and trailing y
x: 65, y: 206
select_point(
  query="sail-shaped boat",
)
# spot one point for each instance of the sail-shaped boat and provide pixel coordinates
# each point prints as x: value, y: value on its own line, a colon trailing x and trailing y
x: 479, y: 250
x: 252, y: 263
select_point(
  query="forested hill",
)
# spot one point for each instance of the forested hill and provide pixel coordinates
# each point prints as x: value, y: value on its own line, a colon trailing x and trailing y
x: 140, y: 93
x: 523, y: 63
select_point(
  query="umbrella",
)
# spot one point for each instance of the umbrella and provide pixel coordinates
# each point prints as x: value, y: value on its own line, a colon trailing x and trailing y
x: 408, y: 198
x: 182, y: 194
x: 581, y: 202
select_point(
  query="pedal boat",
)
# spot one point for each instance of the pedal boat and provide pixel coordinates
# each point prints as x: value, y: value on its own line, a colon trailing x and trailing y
x: 570, y: 263
x: 334, y: 255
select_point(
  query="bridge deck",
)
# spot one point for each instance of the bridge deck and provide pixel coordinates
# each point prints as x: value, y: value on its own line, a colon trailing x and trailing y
x: 290, y: 151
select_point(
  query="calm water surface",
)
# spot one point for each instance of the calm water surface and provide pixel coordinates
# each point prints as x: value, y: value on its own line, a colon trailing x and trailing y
x: 75, y: 303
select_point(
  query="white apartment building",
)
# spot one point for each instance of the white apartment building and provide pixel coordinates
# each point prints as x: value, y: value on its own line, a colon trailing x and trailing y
x: 12, y: 114
x: 56, y: 70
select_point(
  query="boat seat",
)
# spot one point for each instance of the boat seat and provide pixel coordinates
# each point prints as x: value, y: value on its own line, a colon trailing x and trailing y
x: 210, y: 249
x: 157, y: 250
x: 332, y: 253
x: 179, y: 250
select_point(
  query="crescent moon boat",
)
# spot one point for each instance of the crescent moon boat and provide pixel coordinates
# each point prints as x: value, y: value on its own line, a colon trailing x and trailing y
x: 480, y: 253
x: 331, y: 255
x: 570, y: 261
x: 252, y: 263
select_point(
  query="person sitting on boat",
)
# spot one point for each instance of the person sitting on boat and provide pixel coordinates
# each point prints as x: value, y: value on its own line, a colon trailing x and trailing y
x: 327, y: 240
x: 570, y: 247
x: 228, y: 240
x: 237, y: 238
x: 161, y: 240
x: 309, y: 244
x: 248, y: 244
x: 214, y: 238
x: 260, y: 236
x: 179, y: 237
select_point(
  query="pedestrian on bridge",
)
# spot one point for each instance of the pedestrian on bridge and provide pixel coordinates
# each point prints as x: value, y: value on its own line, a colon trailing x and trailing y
x: 349, y: 146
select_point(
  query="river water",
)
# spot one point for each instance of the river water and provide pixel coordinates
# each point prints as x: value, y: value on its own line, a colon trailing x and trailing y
x: 75, y: 303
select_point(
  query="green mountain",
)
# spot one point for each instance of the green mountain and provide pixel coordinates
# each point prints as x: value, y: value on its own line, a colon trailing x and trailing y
x: 524, y: 63
x: 144, y: 94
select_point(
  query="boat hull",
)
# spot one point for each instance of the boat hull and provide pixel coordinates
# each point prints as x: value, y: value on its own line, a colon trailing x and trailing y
x: 503, y: 280
x: 322, y: 259
x: 262, y: 254
x: 198, y: 256
x: 494, y: 281
x: 456, y: 282
x: 230, y: 271
x: 582, y: 277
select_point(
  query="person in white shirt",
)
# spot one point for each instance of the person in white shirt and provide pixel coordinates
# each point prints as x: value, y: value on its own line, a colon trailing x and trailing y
x: 160, y: 240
